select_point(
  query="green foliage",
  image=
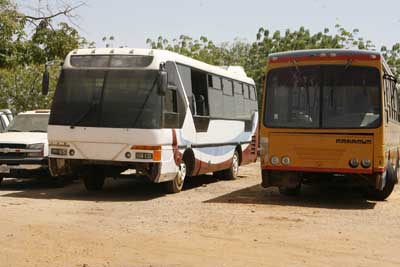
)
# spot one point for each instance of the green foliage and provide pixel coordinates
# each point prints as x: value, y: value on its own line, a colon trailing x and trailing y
x: 392, y: 57
x: 21, y: 88
x: 11, y: 33
x: 25, y: 47
x: 49, y: 44
x: 23, y: 55
x: 252, y: 56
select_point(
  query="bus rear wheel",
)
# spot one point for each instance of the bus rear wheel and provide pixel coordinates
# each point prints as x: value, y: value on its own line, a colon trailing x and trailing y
x: 176, y: 185
x: 93, y: 180
x: 233, y: 171
x: 380, y: 195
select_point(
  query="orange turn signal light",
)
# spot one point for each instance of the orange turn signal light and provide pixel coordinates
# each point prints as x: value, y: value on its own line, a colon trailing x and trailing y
x: 146, y: 147
x: 157, y: 155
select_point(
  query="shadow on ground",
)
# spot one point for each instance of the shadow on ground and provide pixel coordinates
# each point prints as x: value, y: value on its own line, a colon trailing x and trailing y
x: 114, y: 190
x: 313, y: 197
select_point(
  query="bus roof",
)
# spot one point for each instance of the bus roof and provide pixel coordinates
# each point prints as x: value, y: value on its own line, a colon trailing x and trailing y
x: 328, y: 54
x: 318, y: 52
x: 232, y: 72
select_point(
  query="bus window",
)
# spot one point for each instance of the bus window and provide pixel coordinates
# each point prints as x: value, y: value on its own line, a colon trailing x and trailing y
x: 342, y: 88
x: 227, y: 87
x: 293, y: 98
x: 199, y: 90
x: 252, y: 93
x: 174, y: 105
x: 210, y: 81
x: 246, y: 94
x: 185, y: 74
x: 216, y: 82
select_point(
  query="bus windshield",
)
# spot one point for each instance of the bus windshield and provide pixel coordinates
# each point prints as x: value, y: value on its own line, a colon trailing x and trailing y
x: 112, y: 98
x: 323, y: 97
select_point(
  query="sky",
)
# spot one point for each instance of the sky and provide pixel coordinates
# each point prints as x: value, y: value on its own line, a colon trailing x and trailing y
x: 131, y: 22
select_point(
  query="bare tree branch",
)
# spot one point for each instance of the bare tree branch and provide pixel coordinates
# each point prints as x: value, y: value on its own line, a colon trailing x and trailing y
x: 67, y: 12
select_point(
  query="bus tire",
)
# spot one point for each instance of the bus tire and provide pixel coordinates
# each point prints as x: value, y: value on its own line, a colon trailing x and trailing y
x: 381, y: 195
x: 93, y: 180
x: 176, y: 185
x: 290, y: 191
x: 232, y: 172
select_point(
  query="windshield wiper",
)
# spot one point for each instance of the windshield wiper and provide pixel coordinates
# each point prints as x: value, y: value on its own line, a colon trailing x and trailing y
x: 145, y: 102
x: 84, y: 115
x: 96, y: 99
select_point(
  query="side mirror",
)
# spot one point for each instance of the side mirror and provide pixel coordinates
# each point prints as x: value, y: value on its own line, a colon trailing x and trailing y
x: 45, y: 82
x: 162, y: 82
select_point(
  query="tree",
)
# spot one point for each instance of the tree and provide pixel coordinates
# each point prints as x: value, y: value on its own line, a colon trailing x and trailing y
x: 22, y: 55
x: 392, y: 57
x: 252, y: 56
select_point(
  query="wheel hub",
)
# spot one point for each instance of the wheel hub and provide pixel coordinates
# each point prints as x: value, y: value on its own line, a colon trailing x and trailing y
x: 235, y: 165
x: 182, y: 173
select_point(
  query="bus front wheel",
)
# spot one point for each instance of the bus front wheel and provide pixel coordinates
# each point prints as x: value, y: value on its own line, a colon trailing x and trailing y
x: 176, y: 185
x: 93, y: 180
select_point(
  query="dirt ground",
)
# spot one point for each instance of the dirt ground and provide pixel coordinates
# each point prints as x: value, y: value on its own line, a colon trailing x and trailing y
x: 210, y: 223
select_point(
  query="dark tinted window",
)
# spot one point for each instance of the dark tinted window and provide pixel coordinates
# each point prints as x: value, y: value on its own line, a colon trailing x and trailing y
x: 210, y: 81
x: 252, y: 93
x: 350, y: 95
x: 216, y: 82
x: 112, y: 98
x: 238, y: 88
x: 114, y: 61
x: 246, y: 91
x: 227, y: 87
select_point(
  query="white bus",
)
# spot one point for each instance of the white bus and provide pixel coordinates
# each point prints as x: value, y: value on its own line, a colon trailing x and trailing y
x: 152, y: 113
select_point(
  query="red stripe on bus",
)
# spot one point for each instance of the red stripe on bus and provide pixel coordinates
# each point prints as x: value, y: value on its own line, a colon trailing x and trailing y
x: 310, y: 169
x: 322, y: 58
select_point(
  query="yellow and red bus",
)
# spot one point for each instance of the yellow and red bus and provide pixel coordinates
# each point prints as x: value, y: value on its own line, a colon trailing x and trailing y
x: 330, y: 116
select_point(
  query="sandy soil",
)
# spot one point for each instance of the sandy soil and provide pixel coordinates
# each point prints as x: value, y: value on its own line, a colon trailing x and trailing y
x: 210, y: 223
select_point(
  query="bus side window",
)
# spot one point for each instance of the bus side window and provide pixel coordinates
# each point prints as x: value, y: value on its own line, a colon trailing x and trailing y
x: 216, y: 100
x: 391, y: 99
x: 246, y: 93
x: 200, y: 92
x: 173, y: 101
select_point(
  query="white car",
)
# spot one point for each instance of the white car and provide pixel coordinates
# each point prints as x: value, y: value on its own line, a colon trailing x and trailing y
x: 24, y: 146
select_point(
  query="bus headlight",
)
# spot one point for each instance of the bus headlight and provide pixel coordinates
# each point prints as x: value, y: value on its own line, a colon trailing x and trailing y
x: 354, y: 163
x: 366, y: 163
x: 285, y: 160
x: 274, y: 160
